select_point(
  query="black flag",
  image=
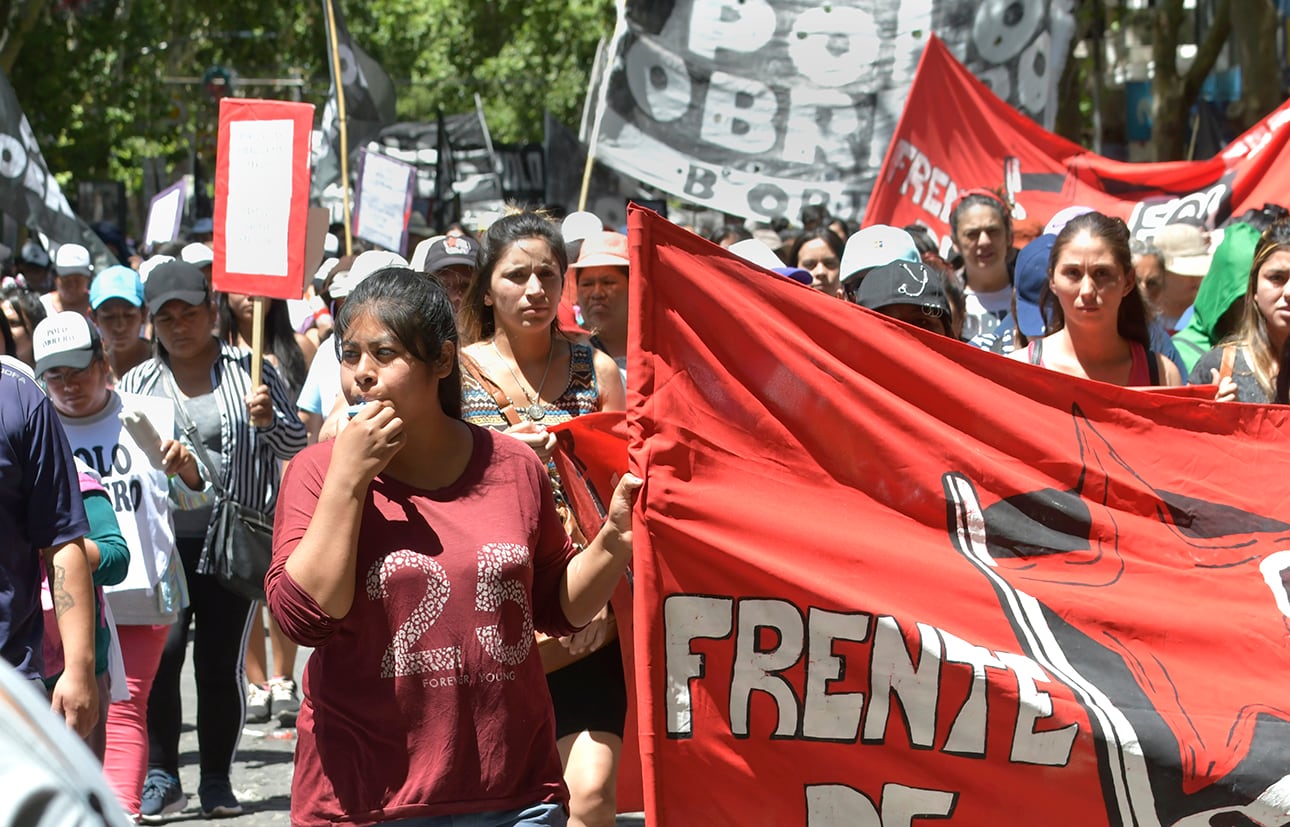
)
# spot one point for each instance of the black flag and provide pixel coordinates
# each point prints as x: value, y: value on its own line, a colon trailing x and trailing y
x: 445, y: 173
x: 369, y: 102
x: 28, y: 192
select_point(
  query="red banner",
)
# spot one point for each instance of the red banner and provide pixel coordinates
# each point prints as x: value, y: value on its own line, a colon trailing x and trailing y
x: 883, y: 577
x: 955, y: 134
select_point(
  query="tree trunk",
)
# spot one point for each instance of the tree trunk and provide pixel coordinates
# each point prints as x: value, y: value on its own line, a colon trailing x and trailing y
x: 1255, y: 51
x: 1172, y: 93
x: 24, y: 17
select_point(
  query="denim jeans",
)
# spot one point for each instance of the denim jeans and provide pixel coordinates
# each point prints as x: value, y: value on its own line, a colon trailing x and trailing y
x: 537, y: 815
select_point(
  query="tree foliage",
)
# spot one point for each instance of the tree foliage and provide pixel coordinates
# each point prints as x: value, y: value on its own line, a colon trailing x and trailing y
x: 108, y: 83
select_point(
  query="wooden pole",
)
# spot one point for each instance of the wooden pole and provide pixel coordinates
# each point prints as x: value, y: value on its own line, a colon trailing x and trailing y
x: 260, y: 307
x: 338, y: 80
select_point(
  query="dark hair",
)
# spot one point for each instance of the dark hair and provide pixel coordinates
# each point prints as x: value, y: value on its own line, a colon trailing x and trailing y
x: 1252, y: 331
x: 923, y: 241
x: 980, y: 198
x: 417, y: 311
x: 1260, y: 218
x: 1131, y: 320
x: 818, y: 234
x: 9, y: 344
x: 476, y: 318
x: 279, y: 339
x: 28, y: 304
x: 736, y: 231
x: 814, y: 215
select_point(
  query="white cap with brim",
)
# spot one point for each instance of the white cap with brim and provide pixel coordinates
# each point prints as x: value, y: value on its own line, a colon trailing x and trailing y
x: 364, y: 265
x: 73, y: 258
x: 198, y: 254
x: 579, y: 225
x: 875, y: 246
x: 63, y: 340
x: 1190, y: 266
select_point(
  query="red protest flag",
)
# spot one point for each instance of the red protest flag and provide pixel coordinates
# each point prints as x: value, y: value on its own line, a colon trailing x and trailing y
x: 884, y: 576
x: 591, y: 456
x: 955, y: 134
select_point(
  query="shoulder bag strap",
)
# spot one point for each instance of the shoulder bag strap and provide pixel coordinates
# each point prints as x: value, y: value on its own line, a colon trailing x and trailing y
x: 190, y: 430
x: 504, y: 405
x: 1153, y: 366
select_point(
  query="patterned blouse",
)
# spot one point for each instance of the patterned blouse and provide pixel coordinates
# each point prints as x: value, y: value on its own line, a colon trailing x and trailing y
x: 580, y: 396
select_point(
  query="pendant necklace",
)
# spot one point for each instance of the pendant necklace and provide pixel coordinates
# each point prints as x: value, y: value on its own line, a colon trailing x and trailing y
x: 536, y: 412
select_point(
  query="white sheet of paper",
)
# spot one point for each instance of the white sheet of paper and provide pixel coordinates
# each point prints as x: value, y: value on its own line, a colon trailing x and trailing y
x: 259, y: 197
x: 163, y: 215
x: 382, y: 197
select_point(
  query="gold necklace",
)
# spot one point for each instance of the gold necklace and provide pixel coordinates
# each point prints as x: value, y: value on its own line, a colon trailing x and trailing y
x: 536, y: 412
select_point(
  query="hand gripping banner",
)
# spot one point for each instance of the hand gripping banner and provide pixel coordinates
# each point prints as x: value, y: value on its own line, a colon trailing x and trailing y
x: 884, y: 578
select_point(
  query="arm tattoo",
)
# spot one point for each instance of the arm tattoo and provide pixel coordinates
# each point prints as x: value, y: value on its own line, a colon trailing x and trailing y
x: 58, y: 591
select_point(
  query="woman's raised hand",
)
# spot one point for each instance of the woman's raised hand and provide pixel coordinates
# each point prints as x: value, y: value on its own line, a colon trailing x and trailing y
x: 534, y: 435
x: 369, y: 441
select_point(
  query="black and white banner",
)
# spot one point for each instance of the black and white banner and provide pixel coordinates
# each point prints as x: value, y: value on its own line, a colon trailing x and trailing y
x: 756, y: 108
x: 369, y: 103
x: 29, y: 193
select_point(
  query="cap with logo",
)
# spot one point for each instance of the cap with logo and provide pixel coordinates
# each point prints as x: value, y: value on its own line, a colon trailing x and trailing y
x: 175, y: 281
x: 64, y: 340
x: 904, y: 282
x: 116, y: 282
x: 451, y: 251
x: 73, y: 258
x: 875, y: 246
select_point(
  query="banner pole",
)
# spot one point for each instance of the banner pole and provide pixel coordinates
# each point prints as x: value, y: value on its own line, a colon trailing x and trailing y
x: 260, y: 306
x: 338, y: 80
x: 591, y: 160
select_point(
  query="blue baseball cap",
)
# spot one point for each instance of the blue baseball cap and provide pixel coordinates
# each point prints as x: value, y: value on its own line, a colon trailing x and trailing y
x: 1030, y: 275
x: 116, y: 282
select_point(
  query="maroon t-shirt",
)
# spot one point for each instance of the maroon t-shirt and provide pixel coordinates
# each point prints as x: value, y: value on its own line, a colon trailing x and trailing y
x: 429, y: 698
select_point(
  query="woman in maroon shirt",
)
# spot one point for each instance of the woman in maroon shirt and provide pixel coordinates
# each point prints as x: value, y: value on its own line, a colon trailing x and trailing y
x: 417, y: 554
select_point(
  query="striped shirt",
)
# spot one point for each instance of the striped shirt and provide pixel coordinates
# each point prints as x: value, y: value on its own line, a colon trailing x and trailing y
x: 249, y: 454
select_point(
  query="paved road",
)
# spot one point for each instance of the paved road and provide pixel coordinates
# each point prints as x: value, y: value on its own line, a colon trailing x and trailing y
x: 262, y: 772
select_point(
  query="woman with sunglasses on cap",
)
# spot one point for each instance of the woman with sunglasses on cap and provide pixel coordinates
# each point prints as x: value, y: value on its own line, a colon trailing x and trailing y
x: 1096, y: 321
x: 244, y: 432
x: 523, y: 374
x: 417, y: 554
x: 1246, y: 366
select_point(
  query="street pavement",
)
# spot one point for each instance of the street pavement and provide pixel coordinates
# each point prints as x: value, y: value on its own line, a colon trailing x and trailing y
x: 262, y: 771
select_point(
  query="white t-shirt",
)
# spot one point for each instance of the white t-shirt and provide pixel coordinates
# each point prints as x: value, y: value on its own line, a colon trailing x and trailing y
x: 140, y: 497
x: 983, y: 310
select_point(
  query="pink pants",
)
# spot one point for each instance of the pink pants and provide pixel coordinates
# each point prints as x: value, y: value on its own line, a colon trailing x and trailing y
x: 126, y: 760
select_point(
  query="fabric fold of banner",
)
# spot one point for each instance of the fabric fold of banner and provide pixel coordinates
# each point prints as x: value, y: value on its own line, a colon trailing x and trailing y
x: 931, y: 159
x: 883, y: 577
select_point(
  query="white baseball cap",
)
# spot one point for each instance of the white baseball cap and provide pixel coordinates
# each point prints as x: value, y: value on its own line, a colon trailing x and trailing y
x: 874, y: 246
x: 364, y: 265
x: 63, y: 340
x: 197, y: 253
x: 73, y: 258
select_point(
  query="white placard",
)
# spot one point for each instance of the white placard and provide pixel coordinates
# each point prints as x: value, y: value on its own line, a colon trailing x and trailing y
x: 165, y: 214
x: 384, y: 189
x: 259, y: 197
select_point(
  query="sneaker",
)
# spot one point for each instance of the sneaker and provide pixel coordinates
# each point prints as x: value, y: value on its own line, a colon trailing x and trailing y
x: 162, y: 796
x: 217, y: 798
x: 285, y: 699
x: 257, y: 703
